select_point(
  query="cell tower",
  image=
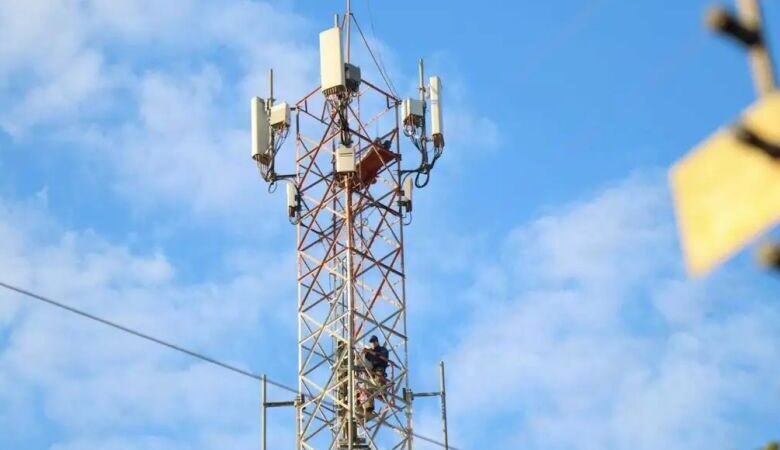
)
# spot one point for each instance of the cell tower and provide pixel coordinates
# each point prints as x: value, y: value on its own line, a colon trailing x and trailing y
x: 350, y: 199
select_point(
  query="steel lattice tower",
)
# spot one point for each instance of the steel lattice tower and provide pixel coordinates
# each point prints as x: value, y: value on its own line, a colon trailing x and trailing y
x: 349, y: 198
x: 350, y: 278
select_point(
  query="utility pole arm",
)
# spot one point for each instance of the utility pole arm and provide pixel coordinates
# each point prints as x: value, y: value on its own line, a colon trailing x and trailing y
x: 760, y: 60
x: 747, y: 28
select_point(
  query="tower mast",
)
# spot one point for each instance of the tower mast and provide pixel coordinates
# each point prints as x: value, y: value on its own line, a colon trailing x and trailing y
x: 350, y: 199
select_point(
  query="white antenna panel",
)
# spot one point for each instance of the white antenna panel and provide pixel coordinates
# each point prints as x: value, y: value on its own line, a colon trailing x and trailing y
x: 332, y: 72
x: 407, y: 193
x: 260, y: 130
x: 437, y: 126
x: 292, y: 201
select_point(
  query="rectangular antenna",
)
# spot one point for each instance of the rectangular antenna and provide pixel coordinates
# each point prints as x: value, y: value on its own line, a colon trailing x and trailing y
x: 407, y: 193
x: 260, y: 131
x: 292, y: 200
x: 437, y: 126
x: 332, y: 71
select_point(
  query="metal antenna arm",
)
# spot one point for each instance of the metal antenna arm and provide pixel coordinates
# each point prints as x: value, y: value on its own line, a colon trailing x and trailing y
x: 442, y: 394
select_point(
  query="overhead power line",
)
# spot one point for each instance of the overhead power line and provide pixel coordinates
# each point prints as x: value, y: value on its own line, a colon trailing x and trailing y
x: 200, y: 356
x: 434, y: 442
x: 144, y: 336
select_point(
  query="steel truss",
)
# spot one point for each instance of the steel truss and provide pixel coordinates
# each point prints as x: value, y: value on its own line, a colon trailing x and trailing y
x: 351, y: 282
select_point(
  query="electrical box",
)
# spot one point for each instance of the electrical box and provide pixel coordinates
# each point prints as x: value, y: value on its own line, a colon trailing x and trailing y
x: 406, y: 194
x: 332, y: 70
x: 260, y: 131
x: 280, y: 116
x: 345, y: 159
x: 437, y: 126
x: 292, y: 200
x: 413, y: 112
x: 352, y: 77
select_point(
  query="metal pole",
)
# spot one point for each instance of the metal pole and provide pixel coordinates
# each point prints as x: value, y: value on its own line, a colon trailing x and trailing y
x: 298, y: 418
x: 751, y: 16
x: 760, y: 60
x: 424, y: 131
x: 299, y: 406
x: 352, y: 401
x: 443, y: 389
x: 265, y: 413
x: 409, y: 400
x: 422, y: 81
x: 349, y: 20
x: 271, y: 138
x: 270, y: 87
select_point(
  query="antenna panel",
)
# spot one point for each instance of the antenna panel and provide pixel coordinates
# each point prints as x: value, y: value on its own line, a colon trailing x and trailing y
x: 292, y: 201
x: 260, y: 131
x: 437, y: 126
x: 407, y: 193
x: 332, y: 73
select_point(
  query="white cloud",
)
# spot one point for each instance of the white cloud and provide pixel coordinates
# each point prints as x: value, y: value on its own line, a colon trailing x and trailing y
x: 98, y: 385
x: 160, y: 98
x: 119, y: 443
x: 593, y: 339
x: 42, y: 54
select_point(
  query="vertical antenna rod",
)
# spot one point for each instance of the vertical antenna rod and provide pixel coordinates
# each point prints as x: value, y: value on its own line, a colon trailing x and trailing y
x: 265, y: 413
x: 421, y: 71
x: 270, y: 87
x: 349, y: 20
x: 443, y: 391
x: 352, y: 400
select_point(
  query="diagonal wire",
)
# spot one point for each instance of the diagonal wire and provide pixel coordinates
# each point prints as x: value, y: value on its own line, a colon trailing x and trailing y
x: 144, y: 336
x: 200, y: 356
x: 576, y: 23
x: 433, y: 441
x: 379, y: 48
x: 376, y: 62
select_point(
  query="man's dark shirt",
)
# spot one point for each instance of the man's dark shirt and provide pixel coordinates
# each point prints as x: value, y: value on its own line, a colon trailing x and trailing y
x: 378, y: 357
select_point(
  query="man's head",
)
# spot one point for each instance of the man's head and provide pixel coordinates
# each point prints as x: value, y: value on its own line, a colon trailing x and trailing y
x: 374, y: 341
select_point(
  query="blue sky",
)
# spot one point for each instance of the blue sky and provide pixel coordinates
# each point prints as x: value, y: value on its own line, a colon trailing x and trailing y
x: 543, y: 261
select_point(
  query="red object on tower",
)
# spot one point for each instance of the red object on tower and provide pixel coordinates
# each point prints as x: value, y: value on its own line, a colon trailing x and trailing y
x: 373, y: 160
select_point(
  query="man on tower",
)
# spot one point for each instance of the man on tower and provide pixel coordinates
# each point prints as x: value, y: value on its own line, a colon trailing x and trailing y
x: 377, y: 358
